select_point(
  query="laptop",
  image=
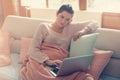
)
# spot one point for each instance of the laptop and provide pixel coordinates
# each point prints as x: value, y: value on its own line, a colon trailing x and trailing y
x: 84, y: 45
x: 72, y: 64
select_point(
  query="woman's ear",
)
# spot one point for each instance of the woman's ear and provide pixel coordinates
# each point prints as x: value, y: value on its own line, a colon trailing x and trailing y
x: 57, y: 13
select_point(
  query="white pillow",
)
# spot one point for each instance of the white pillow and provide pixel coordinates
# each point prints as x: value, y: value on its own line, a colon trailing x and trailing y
x: 84, y: 45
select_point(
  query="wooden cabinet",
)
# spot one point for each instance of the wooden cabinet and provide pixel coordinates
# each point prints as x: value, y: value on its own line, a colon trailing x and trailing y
x: 111, y: 20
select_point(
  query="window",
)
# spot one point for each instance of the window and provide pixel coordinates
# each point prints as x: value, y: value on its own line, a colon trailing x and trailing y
x: 104, y: 5
x: 53, y: 4
x: 92, y: 5
x: 34, y: 3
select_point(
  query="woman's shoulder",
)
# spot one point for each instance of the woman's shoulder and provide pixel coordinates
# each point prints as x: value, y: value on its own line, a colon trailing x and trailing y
x: 42, y: 29
x: 43, y: 26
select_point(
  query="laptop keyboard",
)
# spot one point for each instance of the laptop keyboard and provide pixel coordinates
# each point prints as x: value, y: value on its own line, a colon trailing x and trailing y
x: 55, y: 69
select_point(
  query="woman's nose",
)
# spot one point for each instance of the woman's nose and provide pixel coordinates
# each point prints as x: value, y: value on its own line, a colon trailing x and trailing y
x: 63, y: 21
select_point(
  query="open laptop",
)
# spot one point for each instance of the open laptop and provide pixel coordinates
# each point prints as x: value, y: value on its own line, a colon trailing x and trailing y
x: 83, y: 45
x: 72, y: 64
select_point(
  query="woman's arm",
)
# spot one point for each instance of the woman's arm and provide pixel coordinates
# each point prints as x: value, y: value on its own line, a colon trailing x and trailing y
x: 88, y: 27
x: 34, y: 50
x: 92, y: 25
x: 75, y: 27
x: 80, y: 33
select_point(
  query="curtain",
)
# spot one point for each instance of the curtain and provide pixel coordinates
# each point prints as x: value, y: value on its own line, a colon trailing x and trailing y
x: 7, y: 7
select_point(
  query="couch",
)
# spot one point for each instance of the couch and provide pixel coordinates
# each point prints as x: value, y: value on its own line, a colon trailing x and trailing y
x: 108, y: 39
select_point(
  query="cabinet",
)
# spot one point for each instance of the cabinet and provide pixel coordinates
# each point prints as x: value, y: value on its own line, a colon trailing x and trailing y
x: 111, y: 20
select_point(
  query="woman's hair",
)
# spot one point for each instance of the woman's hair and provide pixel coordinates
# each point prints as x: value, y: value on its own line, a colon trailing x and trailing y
x: 66, y: 7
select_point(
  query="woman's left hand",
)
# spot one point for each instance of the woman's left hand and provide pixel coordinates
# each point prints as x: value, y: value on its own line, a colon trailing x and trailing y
x: 80, y: 33
x: 53, y: 62
x: 77, y: 35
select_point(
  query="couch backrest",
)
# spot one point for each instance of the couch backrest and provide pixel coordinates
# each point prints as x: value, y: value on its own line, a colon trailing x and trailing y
x: 109, y: 39
x: 20, y: 27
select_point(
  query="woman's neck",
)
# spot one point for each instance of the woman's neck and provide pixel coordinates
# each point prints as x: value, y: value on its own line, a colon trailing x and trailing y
x: 56, y: 28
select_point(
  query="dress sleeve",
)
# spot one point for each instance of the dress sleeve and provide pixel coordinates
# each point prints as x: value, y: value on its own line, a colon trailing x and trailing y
x: 34, y: 50
x: 93, y: 25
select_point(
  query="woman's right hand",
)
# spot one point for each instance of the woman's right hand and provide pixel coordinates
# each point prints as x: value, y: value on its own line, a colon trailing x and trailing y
x: 53, y: 62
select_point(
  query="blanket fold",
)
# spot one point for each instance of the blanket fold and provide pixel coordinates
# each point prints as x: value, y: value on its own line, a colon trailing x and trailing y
x: 32, y: 70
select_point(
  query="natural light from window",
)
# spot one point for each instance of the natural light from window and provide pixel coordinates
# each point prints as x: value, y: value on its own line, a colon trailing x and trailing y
x: 92, y: 5
x: 104, y: 5
x: 55, y: 4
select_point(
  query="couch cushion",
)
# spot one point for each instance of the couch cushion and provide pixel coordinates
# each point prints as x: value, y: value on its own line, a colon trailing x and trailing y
x: 99, y: 62
x: 107, y: 77
x: 15, y: 46
x: 25, y: 44
x: 11, y: 72
x: 113, y: 68
x: 109, y: 39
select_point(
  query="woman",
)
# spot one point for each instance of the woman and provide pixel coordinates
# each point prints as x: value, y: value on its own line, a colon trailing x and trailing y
x: 50, y: 46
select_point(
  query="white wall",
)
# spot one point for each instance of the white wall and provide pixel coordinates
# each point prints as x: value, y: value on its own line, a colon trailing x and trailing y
x: 78, y: 16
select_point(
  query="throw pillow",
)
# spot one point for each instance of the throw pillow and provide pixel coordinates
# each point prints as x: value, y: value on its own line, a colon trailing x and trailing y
x: 4, y: 48
x: 84, y: 45
x: 25, y: 43
x: 99, y: 62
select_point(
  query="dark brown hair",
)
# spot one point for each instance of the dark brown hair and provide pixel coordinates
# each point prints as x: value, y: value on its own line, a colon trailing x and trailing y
x: 66, y: 7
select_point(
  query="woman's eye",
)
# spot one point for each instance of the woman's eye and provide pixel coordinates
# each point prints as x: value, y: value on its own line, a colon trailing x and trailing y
x: 62, y: 17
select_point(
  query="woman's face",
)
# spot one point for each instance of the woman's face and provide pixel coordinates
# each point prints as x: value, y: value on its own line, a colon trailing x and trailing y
x: 63, y: 18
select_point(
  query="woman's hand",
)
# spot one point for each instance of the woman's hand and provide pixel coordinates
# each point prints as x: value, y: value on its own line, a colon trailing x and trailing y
x: 77, y: 35
x: 53, y: 62
x: 80, y: 33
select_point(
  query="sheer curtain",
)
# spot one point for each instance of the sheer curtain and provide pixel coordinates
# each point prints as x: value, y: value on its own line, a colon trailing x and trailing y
x: 1, y: 13
x: 7, y: 7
